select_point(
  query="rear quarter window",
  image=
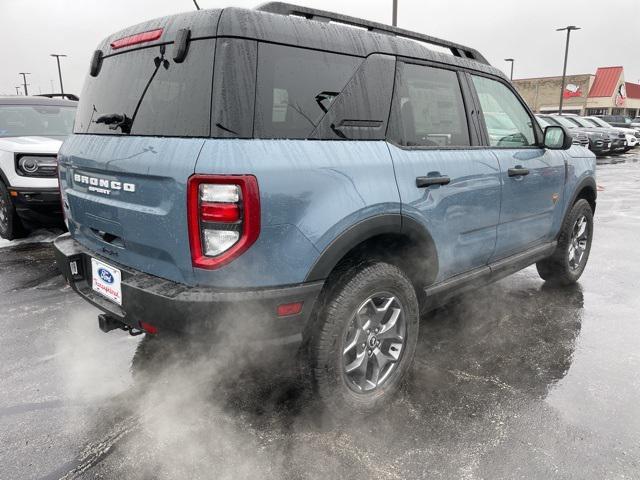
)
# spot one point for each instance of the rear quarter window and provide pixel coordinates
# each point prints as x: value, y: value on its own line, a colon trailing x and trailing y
x: 295, y: 88
x: 177, y: 102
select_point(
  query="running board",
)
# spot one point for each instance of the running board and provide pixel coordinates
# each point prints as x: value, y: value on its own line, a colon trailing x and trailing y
x: 440, y: 293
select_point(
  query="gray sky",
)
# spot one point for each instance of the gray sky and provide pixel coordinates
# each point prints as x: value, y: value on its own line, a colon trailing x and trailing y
x: 32, y: 29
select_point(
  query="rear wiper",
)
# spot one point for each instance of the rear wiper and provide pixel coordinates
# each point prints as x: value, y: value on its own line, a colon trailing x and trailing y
x: 122, y: 120
x: 116, y: 120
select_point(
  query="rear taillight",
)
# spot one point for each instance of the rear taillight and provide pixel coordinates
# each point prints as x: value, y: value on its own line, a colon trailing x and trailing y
x: 143, y: 37
x: 224, y: 217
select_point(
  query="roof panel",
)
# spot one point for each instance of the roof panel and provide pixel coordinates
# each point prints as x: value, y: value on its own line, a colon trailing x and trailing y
x: 633, y: 90
x: 606, y: 81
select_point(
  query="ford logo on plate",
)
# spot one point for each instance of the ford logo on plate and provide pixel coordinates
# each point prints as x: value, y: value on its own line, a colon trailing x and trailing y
x: 105, y: 275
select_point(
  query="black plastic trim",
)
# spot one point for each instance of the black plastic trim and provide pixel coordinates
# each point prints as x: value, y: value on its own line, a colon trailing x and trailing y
x: 354, y: 235
x: 172, y: 306
x: 585, y: 182
x: 438, y: 294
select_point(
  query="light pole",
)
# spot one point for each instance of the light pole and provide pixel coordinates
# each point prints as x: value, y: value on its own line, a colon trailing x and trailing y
x: 394, y: 15
x: 512, y: 61
x: 58, y: 55
x: 566, y: 55
x: 24, y: 81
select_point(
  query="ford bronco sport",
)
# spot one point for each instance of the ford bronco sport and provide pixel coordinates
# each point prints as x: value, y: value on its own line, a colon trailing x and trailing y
x: 287, y: 171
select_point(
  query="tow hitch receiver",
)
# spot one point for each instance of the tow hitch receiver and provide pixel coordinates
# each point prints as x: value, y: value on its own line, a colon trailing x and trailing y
x: 108, y: 323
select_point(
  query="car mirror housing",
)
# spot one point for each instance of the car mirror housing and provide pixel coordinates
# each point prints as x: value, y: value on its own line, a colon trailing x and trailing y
x: 557, y: 138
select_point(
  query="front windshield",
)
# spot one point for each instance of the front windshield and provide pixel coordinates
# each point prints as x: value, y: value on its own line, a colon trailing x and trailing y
x: 581, y: 121
x: 36, y: 120
x: 598, y: 122
x: 544, y: 123
x: 565, y: 122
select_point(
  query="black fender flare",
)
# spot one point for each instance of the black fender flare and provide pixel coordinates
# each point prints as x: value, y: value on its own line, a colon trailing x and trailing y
x: 585, y: 182
x: 388, y: 223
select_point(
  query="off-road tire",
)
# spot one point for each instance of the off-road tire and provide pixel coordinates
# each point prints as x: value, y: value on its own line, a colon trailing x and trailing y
x: 10, y: 225
x: 352, y: 287
x: 557, y: 268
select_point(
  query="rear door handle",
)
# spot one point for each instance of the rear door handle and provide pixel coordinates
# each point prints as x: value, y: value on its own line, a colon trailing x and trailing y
x: 518, y: 170
x: 423, y: 182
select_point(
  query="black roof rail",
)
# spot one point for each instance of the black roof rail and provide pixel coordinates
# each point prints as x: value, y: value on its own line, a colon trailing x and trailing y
x: 67, y: 96
x: 283, y: 8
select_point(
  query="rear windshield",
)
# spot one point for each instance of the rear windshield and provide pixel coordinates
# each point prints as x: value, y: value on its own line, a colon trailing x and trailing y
x: 177, y: 101
x: 35, y: 120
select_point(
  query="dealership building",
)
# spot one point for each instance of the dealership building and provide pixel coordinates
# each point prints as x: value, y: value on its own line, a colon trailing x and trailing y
x: 605, y: 93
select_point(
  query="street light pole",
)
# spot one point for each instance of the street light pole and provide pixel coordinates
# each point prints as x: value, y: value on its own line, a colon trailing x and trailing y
x: 512, y: 62
x: 566, y: 56
x: 24, y: 81
x: 394, y: 18
x: 57, y: 55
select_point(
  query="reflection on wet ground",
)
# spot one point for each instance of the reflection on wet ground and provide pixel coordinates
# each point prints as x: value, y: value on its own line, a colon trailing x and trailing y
x: 516, y: 380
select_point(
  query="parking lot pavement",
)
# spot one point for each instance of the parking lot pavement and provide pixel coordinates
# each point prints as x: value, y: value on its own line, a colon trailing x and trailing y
x: 516, y: 380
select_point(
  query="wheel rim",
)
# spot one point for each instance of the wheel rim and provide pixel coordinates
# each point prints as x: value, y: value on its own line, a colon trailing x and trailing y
x: 373, y: 342
x: 579, y: 242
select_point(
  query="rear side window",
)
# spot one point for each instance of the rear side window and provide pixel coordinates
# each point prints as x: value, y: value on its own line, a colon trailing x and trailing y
x: 295, y: 88
x: 176, y: 103
x: 428, y: 109
x: 508, y: 123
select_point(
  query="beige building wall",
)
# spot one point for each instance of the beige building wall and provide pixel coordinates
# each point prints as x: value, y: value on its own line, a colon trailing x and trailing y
x: 543, y: 94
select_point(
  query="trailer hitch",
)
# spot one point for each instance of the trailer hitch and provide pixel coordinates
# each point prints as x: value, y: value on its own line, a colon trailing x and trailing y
x: 107, y: 323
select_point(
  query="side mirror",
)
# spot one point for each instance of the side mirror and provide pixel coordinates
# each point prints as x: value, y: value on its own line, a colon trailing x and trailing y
x: 557, y: 138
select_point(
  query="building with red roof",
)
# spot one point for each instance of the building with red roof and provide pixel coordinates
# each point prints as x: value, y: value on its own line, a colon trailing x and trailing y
x: 605, y: 93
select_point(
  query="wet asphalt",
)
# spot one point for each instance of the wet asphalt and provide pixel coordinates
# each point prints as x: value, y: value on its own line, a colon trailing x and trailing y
x: 516, y: 380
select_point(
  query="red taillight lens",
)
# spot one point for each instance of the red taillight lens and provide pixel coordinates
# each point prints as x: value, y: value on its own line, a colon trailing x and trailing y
x: 220, y: 212
x: 142, y: 37
x: 224, y: 217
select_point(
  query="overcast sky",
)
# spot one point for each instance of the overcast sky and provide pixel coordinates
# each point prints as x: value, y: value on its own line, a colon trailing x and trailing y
x: 32, y: 29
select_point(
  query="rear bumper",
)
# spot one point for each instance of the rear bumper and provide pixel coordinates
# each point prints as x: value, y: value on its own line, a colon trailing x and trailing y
x: 169, y: 306
x: 38, y: 205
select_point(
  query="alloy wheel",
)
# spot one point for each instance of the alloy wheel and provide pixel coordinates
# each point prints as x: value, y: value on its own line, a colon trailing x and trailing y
x: 373, y: 342
x: 578, y: 243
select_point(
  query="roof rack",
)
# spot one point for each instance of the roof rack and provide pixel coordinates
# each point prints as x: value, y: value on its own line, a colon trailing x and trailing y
x: 67, y: 96
x: 282, y: 8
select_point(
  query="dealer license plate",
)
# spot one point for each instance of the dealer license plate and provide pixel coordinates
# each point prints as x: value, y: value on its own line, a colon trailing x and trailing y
x: 106, y: 280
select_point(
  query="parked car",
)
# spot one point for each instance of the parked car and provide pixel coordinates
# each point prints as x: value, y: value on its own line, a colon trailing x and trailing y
x: 619, y: 139
x: 632, y: 135
x: 617, y: 120
x: 579, y: 137
x: 315, y: 180
x: 31, y: 132
x: 600, y: 141
x: 635, y: 123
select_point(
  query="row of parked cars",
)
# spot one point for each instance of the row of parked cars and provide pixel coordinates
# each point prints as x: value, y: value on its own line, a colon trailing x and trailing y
x: 595, y: 133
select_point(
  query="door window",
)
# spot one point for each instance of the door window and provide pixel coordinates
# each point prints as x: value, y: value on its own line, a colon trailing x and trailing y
x: 508, y: 122
x: 428, y: 109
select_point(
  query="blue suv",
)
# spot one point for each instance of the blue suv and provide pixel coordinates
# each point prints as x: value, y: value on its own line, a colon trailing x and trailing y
x: 286, y: 172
